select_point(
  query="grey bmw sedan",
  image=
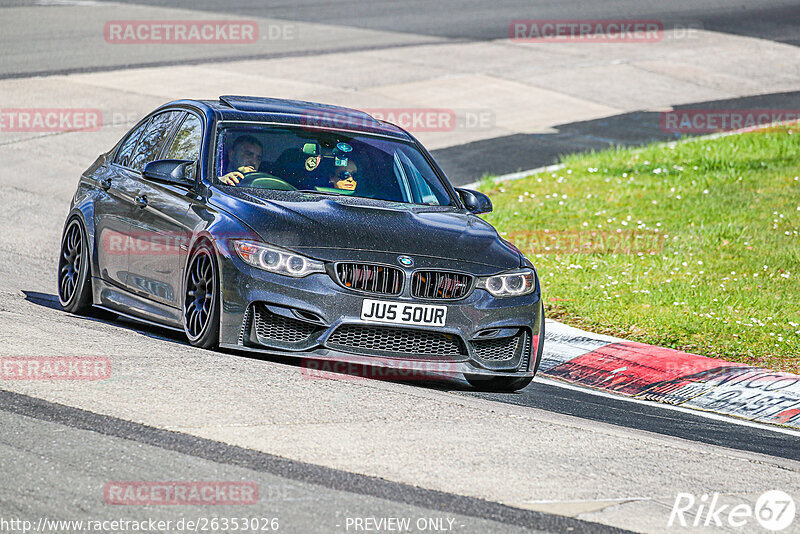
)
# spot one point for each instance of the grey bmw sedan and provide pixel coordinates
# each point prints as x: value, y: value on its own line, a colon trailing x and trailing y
x: 300, y: 229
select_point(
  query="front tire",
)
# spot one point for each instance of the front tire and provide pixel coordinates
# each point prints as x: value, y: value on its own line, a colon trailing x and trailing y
x: 498, y: 384
x: 505, y: 384
x: 201, y: 298
x: 74, y: 284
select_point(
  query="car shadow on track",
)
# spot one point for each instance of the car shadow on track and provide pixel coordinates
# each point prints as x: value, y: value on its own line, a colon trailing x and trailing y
x: 48, y: 300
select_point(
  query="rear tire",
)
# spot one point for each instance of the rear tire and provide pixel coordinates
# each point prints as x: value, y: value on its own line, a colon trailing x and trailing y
x: 201, y: 298
x: 74, y: 283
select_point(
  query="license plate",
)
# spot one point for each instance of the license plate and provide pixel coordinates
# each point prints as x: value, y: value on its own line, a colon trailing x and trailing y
x: 381, y: 311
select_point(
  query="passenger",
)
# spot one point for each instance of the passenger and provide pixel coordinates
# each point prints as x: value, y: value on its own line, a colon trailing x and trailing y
x: 345, y: 177
x: 244, y: 156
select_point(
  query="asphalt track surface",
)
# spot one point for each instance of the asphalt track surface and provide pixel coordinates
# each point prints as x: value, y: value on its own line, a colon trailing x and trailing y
x: 48, y: 50
x: 580, y: 402
x: 293, y: 492
x: 547, y: 394
x: 71, y: 443
x: 474, y: 20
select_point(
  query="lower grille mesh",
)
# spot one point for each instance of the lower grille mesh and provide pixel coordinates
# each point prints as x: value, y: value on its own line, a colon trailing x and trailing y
x: 279, y: 328
x: 496, y: 350
x: 395, y: 340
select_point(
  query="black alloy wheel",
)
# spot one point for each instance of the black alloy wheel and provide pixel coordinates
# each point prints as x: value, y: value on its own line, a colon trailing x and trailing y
x: 74, y: 286
x: 201, y: 298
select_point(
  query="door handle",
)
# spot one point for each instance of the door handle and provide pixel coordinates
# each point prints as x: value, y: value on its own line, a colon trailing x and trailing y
x: 141, y: 201
x: 105, y: 184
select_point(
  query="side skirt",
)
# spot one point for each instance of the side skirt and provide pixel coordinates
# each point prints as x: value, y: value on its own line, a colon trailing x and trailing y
x: 123, y: 302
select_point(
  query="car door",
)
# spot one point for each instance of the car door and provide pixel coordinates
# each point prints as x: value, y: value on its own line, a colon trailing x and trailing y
x: 114, y: 209
x: 161, y: 230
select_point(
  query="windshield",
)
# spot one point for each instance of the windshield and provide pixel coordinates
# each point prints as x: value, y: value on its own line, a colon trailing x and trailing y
x: 328, y: 163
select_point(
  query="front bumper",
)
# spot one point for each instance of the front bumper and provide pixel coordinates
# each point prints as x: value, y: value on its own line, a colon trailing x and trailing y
x: 314, y: 318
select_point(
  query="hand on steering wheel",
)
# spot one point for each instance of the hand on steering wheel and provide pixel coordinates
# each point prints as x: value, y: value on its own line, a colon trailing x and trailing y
x: 249, y: 177
x: 234, y: 177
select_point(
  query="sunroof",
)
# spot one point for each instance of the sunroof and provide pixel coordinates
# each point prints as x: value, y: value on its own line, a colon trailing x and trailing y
x: 290, y: 107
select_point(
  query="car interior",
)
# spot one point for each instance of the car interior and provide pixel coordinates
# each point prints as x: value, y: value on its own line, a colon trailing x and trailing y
x: 292, y: 160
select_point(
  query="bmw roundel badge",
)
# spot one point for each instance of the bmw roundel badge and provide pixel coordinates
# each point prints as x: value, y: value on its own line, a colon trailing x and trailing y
x: 405, y: 261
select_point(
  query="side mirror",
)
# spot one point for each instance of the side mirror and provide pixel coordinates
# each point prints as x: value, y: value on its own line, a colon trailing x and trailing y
x: 172, y: 171
x: 474, y: 201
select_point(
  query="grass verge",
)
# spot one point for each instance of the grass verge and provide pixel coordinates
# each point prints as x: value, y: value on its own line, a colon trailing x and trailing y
x: 692, y: 246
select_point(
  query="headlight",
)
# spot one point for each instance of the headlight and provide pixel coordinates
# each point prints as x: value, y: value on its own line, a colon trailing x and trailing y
x: 277, y: 261
x: 511, y: 284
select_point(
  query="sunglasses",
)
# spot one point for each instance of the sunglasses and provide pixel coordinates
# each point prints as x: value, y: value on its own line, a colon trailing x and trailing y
x: 346, y: 174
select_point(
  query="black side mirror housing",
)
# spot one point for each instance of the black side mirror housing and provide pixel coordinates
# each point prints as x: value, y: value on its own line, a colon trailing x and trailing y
x: 475, y: 201
x: 172, y: 171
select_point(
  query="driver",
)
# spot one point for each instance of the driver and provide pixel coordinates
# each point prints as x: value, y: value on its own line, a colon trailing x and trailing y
x: 244, y: 156
x: 345, y: 177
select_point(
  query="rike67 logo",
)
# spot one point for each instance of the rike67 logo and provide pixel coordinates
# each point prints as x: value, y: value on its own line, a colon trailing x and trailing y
x: 774, y: 510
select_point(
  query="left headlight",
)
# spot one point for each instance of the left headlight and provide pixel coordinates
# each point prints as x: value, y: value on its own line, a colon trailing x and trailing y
x: 510, y: 284
x: 277, y: 261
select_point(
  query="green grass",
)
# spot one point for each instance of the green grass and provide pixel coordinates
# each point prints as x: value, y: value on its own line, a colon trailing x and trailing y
x: 693, y: 246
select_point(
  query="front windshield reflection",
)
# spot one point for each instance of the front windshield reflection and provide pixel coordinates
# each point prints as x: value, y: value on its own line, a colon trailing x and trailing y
x: 324, y: 162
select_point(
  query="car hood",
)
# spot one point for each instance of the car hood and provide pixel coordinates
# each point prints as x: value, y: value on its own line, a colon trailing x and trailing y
x: 324, y: 226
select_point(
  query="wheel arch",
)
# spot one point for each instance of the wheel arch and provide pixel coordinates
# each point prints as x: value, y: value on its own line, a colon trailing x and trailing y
x: 85, y: 213
x: 197, y: 240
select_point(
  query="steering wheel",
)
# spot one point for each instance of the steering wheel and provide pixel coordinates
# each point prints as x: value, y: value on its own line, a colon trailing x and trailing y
x: 266, y: 181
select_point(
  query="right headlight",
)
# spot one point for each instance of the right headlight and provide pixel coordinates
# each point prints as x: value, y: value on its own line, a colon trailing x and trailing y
x: 510, y: 284
x: 276, y: 260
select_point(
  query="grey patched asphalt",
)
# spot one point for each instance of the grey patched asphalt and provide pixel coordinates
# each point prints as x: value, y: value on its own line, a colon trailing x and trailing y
x: 61, y: 458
